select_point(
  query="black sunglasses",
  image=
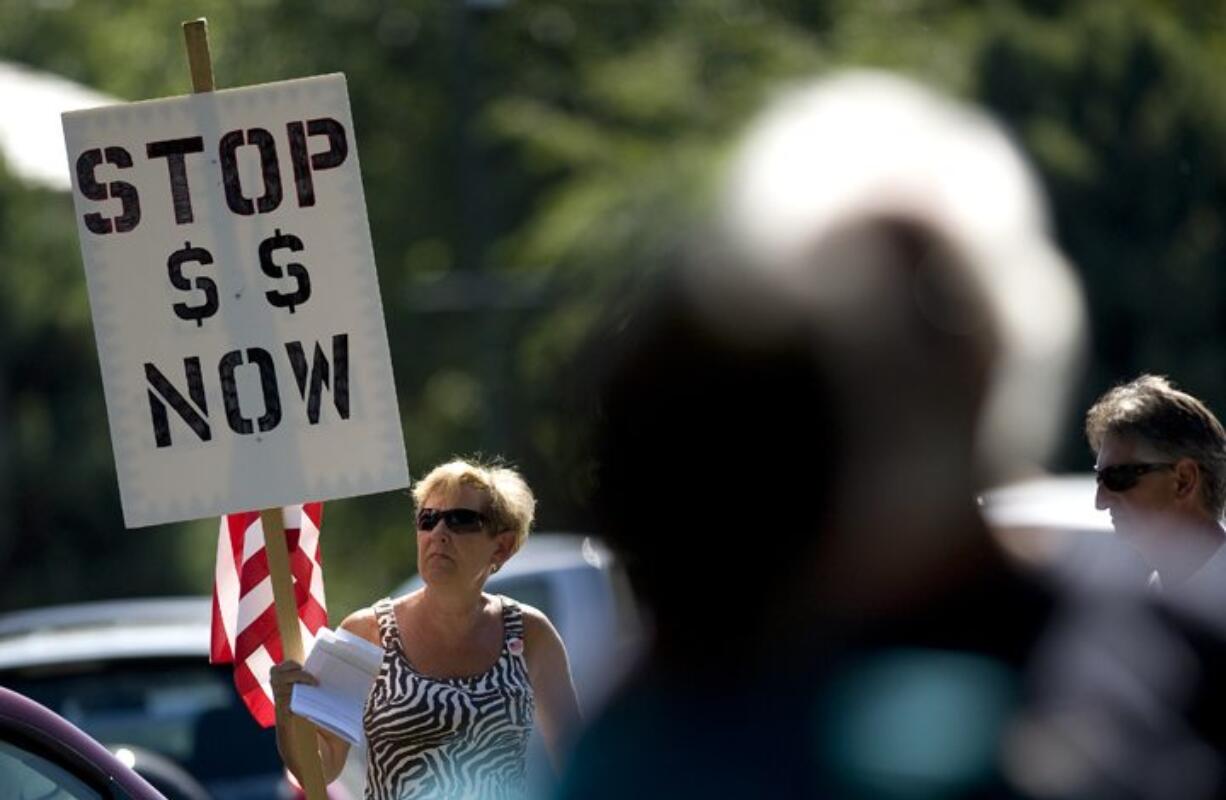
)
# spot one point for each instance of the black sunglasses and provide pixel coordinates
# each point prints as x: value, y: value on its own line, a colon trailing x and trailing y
x: 459, y: 520
x: 1122, y: 477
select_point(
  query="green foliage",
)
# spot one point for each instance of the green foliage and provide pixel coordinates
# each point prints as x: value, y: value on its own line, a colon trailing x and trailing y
x: 1129, y: 134
x: 59, y: 511
x: 526, y: 165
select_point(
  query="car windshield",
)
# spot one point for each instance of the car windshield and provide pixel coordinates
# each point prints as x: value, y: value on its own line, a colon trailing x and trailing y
x: 29, y: 775
x: 186, y: 711
x: 532, y: 590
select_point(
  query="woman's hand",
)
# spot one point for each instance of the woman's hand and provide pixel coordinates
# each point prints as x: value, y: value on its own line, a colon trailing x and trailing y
x: 282, y: 678
x: 332, y: 749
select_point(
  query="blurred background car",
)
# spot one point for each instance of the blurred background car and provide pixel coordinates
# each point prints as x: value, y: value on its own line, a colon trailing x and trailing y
x: 1050, y: 524
x: 576, y: 582
x: 42, y: 755
x: 134, y: 674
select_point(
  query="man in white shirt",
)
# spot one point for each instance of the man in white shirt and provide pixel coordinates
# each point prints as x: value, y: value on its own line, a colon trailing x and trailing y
x: 1161, y: 469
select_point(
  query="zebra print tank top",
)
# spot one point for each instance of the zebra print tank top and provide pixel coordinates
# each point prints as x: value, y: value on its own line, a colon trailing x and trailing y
x: 448, y: 737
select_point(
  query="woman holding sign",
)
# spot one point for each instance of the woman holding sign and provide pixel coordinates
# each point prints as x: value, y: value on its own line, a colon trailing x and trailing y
x: 464, y: 674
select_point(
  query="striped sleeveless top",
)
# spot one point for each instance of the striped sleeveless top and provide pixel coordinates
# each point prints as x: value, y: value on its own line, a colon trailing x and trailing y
x: 448, y: 737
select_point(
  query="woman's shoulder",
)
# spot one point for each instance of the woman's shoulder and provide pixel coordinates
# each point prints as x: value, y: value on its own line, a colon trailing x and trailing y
x: 532, y: 614
x: 543, y: 647
x: 364, y: 623
x: 536, y: 624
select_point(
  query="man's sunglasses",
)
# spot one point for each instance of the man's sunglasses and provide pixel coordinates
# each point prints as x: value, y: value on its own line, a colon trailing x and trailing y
x: 459, y: 520
x: 1122, y: 477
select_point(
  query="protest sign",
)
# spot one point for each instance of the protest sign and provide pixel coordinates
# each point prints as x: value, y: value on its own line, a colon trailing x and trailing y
x: 235, y: 301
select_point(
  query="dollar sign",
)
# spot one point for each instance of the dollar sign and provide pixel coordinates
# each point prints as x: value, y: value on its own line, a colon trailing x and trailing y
x: 283, y: 241
x: 174, y: 266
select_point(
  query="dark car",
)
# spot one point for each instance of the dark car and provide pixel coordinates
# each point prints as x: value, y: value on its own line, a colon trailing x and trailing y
x: 45, y: 757
x: 134, y: 675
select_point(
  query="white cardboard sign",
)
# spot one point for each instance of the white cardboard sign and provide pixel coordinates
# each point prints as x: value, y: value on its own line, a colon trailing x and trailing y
x: 235, y: 301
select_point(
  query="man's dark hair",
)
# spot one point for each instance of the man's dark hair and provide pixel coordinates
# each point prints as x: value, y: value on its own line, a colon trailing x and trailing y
x: 1152, y: 411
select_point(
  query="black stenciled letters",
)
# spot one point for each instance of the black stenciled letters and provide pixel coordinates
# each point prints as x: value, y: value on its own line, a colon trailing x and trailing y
x: 173, y: 150
x: 87, y: 164
x: 315, y: 375
x: 268, y: 382
x: 338, y: 149
x: 285, y: 241
x: 174, y: 266
x: 168, y: 394
x: 269, y: 165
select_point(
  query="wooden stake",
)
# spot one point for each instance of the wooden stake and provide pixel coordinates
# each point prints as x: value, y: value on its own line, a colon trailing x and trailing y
x: 199, y: 61
x: 304, y: 745
x: 302, y: 732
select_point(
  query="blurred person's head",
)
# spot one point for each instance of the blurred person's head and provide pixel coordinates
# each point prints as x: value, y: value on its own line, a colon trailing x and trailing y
x: 861, y: 148
x: 1161, y: 459
x: 951, y: 325
x: 887, y: 312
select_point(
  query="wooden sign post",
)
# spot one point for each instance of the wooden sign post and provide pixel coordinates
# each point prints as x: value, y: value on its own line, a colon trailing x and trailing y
x: 306, y: 752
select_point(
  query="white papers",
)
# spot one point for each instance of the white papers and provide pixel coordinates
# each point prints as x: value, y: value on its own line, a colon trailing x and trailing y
x: 346, y: 667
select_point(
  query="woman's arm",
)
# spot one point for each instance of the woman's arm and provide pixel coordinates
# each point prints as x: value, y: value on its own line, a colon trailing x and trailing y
x: 333, y: 750
x: 549, y: 670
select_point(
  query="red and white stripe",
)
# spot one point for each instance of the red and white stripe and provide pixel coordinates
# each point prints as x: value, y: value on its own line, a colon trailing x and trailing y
x: 244, y: 619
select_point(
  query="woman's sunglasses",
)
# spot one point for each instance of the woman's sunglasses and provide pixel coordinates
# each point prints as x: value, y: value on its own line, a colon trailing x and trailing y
x: 1122, y: 477
x: 459, y: 520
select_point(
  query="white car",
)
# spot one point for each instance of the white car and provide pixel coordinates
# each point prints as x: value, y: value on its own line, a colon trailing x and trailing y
x: 575, y: 581
x: 1057, y: 502
x: 1051, y: 523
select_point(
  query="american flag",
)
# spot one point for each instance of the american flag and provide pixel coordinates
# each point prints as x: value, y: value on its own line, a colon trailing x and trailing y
x: 244, y: 619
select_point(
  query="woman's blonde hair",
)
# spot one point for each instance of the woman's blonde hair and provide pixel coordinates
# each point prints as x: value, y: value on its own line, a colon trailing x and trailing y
x: 512, y: 505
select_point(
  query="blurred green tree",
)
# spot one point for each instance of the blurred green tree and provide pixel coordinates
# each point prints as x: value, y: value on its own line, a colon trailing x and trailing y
x: 527, y: 162
x: 1120, y: 107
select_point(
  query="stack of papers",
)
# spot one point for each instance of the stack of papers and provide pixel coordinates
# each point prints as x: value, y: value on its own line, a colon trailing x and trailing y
x: 346, y: 667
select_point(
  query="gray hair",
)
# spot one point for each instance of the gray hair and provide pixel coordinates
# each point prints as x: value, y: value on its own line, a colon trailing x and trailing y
x: 1150, y: 410
x: 862, y: 145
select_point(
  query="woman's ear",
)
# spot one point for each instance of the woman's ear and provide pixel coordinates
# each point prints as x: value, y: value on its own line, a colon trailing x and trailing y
x: 506, y: 546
